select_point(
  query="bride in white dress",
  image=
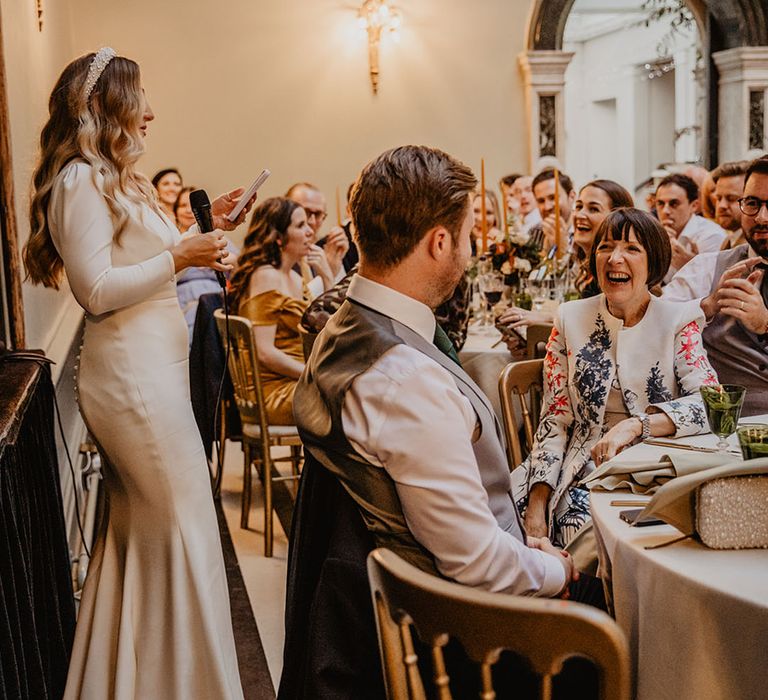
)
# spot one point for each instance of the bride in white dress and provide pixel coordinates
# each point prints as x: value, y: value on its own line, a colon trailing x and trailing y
x: 154, y: 620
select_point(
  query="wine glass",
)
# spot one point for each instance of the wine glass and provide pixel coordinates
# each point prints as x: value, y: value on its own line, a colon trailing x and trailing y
x: 722, y: 403
x: 492, y: 288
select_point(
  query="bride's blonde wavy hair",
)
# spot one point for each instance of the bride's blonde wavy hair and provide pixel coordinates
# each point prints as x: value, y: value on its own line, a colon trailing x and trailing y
x: 104, y: 130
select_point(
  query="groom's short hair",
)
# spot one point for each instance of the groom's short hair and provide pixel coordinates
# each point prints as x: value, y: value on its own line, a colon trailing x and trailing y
x: 401, y: 195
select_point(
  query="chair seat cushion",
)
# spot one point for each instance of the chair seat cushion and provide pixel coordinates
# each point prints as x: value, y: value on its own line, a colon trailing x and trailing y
x: 278, y: 431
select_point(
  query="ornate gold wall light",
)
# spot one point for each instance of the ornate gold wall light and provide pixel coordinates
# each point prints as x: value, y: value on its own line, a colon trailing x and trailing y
x: 375, y: 17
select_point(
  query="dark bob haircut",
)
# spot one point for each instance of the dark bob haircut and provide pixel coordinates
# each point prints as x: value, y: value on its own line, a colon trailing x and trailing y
x: 650, y: 233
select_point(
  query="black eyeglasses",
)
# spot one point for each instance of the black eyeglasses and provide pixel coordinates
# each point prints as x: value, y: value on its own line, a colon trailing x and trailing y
x: 751, y: 206
x: 319, y: 214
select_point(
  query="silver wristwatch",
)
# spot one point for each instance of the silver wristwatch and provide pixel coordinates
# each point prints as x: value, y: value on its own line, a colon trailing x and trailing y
x: 645, y: 422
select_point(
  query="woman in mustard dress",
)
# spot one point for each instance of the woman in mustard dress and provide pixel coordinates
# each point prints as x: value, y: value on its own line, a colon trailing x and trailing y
x: 268, y: 291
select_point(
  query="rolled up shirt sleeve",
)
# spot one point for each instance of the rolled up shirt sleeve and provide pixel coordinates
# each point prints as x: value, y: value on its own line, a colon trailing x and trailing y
x: 407, y: 415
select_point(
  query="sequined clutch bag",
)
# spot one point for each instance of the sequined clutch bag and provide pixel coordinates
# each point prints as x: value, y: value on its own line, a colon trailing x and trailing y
x: 732, y: 512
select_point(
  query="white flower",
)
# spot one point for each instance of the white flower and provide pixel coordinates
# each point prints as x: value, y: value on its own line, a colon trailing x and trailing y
x: 506, y: 268
x: 522, y: 264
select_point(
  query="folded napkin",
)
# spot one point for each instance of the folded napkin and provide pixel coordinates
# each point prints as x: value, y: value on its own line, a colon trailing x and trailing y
x: 646, y: 476
x: 675, y: 502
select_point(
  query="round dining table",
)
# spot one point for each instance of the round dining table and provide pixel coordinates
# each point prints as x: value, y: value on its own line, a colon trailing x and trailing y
x: 696, y: 618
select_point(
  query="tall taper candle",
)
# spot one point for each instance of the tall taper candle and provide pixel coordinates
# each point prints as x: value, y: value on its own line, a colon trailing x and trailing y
x: 483, y: 217
x: 558, y: 228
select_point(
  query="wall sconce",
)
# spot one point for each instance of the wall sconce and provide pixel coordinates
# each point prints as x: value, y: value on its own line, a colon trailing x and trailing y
x: 376, y: 16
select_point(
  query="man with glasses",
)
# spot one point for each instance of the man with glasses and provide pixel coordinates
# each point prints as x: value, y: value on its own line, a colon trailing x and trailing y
x: 735, y: 300
x: 336, y: 243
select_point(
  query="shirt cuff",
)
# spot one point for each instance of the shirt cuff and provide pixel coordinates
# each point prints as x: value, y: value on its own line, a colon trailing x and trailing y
x: 554, y: 576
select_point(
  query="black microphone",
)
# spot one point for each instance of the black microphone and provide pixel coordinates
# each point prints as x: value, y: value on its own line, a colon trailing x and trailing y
x: 201, y: 208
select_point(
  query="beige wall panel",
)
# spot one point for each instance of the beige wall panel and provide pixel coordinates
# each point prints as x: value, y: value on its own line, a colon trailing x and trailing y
x: 245, y: 84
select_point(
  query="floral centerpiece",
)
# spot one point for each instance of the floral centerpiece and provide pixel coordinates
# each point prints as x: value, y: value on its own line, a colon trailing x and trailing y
x: 512, y: 253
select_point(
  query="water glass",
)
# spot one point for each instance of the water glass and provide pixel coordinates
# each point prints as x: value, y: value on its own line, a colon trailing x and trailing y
x: 753, y: 440
x: 540, y: 291
x: 722, y: 403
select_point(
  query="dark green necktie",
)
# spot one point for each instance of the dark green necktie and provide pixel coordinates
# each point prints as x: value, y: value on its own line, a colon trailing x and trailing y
x: 444, y: 344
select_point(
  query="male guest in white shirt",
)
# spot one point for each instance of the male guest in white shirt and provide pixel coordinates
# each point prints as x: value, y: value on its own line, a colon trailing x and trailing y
x: 729, y: 186
x: 522, y: 192
x: 734, y: 296
x: 380, y: 404
x: 677, y: 204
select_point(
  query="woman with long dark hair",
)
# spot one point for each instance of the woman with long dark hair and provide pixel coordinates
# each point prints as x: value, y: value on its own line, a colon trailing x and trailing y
x: 154, y: 619
x: 267, y: 290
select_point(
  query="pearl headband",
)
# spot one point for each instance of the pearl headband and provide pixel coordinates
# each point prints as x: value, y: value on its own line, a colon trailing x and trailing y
x: 98, y: 64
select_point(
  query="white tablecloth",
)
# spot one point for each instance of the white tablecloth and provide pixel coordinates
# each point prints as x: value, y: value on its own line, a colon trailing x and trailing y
x: 484, y: 363
x: 696, y: 618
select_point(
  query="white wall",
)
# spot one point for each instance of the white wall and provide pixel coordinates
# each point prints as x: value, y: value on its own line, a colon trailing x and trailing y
x: 33, y: 61
x: 610, y: 50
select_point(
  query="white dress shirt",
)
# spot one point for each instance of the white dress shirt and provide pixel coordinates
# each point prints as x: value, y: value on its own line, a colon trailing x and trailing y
x: 694, y: 279
x: 532, y: 218
x: 407, y: 415
x: 706, y: 234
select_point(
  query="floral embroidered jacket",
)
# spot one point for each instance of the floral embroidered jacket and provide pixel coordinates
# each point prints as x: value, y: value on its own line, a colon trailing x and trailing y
x: 660, y: 362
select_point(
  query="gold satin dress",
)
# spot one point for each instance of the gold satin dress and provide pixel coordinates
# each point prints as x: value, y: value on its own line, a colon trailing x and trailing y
x: 273, y: 308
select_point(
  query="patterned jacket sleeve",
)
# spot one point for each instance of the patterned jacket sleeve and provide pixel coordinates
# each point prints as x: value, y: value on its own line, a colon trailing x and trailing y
x: 692, y: 370
x: 548, y: 452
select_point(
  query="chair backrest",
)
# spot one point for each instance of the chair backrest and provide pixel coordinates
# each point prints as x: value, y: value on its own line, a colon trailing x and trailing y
x: 545, y: 632
x: 536, y: 338
x: 524, y: 380
x: 243, y: 368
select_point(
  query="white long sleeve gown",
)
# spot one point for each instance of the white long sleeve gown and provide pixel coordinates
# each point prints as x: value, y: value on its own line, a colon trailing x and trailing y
x: 154, y: 619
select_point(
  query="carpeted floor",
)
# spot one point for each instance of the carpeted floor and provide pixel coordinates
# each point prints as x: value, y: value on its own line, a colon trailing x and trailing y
x: 254, y: 672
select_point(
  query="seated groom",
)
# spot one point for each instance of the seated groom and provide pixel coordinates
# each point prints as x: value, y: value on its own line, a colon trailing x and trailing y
x: 383, y: 405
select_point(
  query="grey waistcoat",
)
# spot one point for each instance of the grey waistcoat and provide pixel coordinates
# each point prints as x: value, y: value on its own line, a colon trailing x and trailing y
x: 738, y: 355
x: 353, y: 340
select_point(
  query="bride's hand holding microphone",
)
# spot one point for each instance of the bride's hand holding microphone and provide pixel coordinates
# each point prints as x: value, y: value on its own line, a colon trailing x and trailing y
x: 201, y: 250
x: 210, y: 249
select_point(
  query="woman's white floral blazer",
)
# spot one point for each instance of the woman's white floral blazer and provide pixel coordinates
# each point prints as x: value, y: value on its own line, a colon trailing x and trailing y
x: 660, y: 362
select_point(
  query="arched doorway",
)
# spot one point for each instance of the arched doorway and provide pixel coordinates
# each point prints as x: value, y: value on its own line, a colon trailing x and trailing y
x: 734, y: 37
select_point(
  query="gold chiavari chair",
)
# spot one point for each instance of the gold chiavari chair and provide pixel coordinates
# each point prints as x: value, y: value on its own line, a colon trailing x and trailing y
x: 258, y: 436
x: 544, y: 632
x: 536, y: 338
x: 524, y: 380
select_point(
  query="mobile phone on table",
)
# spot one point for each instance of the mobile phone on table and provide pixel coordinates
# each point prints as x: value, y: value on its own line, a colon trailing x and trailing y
x: 248, y: 195
x: 631, y: 516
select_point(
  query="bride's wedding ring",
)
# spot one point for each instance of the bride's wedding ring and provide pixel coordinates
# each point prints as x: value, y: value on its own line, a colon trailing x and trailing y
x: 742, y: 306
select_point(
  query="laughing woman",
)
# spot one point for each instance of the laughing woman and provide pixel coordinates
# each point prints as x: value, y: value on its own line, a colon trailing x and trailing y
x: 620, y: 366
